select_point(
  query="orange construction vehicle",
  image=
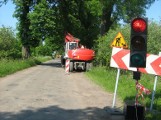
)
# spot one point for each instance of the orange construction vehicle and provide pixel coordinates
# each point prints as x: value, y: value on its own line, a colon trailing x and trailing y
x: 79, y: 56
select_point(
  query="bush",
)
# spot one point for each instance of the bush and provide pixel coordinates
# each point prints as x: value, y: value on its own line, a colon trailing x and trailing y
x: 43, y: 50
x: 9, y: 46
x: 103, y: 49
x: 154, y: 35
x: 8, y: 66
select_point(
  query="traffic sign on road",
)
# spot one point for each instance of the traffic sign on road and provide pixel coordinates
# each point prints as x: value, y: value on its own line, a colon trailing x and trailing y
x: 120, y: 59
x: 119, y: 41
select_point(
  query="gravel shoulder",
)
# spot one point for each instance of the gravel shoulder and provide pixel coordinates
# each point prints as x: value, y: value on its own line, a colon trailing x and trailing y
x: 45, y: 92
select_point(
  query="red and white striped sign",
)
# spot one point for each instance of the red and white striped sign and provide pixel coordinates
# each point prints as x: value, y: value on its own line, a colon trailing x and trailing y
x: 120, y: 59
x: 67, y: 66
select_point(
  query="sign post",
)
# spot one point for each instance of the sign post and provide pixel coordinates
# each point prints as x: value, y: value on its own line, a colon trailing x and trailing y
x: 115, y: 92
x: 120, y: 60
x: 153, y: 94
x: 120, y: 43
x: 154, y: 89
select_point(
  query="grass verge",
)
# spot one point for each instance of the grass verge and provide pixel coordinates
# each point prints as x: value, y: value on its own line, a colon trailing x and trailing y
x: 10, y: 66
x: 106, y: 78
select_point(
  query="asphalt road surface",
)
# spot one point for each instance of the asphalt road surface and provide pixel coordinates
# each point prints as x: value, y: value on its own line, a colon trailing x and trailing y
x: 45, y: 92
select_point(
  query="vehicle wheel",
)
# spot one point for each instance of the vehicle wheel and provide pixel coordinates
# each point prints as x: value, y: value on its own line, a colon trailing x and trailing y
x: 71, y: 66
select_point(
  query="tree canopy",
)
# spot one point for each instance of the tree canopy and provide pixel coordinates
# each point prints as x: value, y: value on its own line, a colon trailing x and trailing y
x: 116, y: 10
x: 49, y: 20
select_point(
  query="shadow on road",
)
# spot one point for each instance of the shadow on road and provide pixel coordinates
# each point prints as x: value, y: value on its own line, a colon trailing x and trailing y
x: 57, y: 113
x: 56, y: 63
x: 53, y: 63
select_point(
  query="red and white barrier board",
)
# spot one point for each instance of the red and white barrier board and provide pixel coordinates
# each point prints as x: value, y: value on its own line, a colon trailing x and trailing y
x: 120, y: 59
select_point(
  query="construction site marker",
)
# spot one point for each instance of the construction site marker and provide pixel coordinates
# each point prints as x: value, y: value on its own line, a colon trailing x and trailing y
x: 119, y: 41
x: 67, y: 66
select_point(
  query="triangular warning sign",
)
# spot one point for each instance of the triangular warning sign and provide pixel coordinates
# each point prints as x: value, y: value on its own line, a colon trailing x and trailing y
x: 119, y: 41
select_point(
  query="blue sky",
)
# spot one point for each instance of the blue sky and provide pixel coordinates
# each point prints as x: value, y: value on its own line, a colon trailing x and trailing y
x: 6, y: 13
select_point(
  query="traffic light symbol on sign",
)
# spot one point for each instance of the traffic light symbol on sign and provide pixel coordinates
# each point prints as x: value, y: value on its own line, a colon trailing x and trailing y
x: 138, y: 43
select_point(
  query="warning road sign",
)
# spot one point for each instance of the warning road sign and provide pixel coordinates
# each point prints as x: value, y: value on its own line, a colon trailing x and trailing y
x: 119, y: 41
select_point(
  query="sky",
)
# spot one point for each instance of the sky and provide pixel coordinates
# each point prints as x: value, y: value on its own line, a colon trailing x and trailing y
x: 6, y: 15
x: 7, y: 19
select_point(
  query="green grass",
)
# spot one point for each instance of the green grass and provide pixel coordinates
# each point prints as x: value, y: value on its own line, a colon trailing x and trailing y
x: 106, y: 78
x: 10, y: 66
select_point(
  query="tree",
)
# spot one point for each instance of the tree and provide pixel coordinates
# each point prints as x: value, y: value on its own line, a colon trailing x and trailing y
x: 88, y: 15
x: 42, y: 21
x: 3, y: 2
x: 9, y: 45
x: 21, y: 13
x: 79, y: 18
x: 115, y: 10
x: 83, y: 18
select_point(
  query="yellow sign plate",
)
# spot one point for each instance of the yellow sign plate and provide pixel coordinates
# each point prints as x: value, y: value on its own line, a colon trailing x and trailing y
x: 119, y: 41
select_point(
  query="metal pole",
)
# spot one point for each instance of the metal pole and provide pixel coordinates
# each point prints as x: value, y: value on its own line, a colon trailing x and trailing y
x: 153, y: 94
x: 154, y: 89
x: 117, y: 79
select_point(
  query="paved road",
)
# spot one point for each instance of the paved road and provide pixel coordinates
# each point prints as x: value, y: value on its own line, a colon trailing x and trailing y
x: 45, y: 92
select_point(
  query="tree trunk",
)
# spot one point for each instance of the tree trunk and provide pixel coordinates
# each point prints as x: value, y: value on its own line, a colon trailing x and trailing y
x: 25, y: 52
x: 24, y: 30
x: 106, y: 21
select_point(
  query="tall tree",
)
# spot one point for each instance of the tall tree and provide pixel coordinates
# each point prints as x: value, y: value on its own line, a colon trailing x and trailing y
x: 115, y: 10
x: 42, y: 21
x: 83, y: 18
x: 78, y: 18
x: 43, y: 26
x: 21, y: 13
x: 89, y: 19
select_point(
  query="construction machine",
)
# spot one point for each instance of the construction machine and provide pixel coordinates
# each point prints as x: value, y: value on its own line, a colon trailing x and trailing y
x: 78, y: 55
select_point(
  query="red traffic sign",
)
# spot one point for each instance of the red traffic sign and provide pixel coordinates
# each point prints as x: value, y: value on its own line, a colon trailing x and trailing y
x: 120, y: 59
